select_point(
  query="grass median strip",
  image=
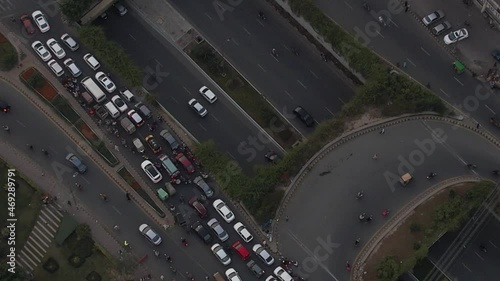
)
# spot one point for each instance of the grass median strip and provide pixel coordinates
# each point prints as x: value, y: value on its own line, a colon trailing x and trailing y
x: 127, y: 176
x: 243, y: 93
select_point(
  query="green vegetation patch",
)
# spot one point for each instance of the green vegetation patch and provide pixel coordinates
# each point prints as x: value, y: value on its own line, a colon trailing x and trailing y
x: 75, y: 9
x: 65, y: 110
x: 111, y: 54
x: 8, y: 55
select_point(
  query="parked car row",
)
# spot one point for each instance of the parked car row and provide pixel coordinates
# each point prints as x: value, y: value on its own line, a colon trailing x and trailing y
x: 449, y: 38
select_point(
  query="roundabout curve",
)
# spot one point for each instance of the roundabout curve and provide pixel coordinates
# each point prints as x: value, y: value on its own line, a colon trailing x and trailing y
x: 318, y: 219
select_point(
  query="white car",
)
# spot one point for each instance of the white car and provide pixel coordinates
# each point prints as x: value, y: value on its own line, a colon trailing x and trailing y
x: 282, y: 274
x: 150, y: 234
x: 243, y: 232
x: 71, y: 66
x: 91, y: 61
x: 221, y: 254
x: 198, y: 108
x: 105, y: 81
x: 263, y: 254
x: 41, y: 21
x: 150, y: 170
x: 232, y: 275
x: 271, y: 278
x: 456, y: 36
x: 119, y: 103
x: 223, y: 210
x: 56, y: 48
x: 207, y: 94
x: 56, y: 68
x: 41, y: 51
x: 70, y: 42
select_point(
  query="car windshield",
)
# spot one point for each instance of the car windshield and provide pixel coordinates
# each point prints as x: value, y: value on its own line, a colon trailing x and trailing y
x: 454, y: 35
x: 119, y: 102
x: 151, y: 169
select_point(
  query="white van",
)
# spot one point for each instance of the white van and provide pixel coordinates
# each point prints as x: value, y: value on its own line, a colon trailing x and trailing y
x: 93, y: 89
x: 113, y: 111
x: 138, y: 145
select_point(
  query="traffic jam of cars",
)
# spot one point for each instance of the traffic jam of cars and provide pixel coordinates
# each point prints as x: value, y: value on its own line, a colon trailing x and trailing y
x: 164, y: 157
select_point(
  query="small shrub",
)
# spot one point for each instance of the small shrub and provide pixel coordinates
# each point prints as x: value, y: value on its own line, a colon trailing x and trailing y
x: 84, y: 248
x: 75, y: 9
x: 452, y: 194
x: 93, y: 276
x: 76, y: 261
x: 36, y: 81
x: 415, y: 227
x: 51, y: 265
x: 8, y: 56
x: 417, y: 245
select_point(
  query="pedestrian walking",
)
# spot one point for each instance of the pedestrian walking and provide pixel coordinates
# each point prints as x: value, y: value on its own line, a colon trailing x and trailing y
x: 407, y: 8
x: 382, y: 131
x: 29, y: 146
x: 69, y: 202
x: 45, y: 152
x: 117, y: 148
x: 162, y: 277
x: 375, y: 157
x: 286, y: 218
x: 128, y: 196
x: 478, y: 126
x: 104, y: 196
x: 121, y: 252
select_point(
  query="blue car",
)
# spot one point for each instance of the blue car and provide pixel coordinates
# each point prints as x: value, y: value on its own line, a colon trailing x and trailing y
x: 76, y: 162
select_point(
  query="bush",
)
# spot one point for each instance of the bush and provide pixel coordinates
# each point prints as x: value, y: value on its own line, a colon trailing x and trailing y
x: 83, y: 231
x: 93, y: 276
x: 111, y: 54
x: 84, y: 248
x: 8, y: 56
x: 415, y: 227
x: 76, y: 261
x: 36, y: 81
x: 51, y: 265
x: 75, y: 9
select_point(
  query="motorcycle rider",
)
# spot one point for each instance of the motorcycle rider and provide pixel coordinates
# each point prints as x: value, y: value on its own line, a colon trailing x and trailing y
x: 360, y: 194
x: 261, y: 15
x: 431, y: 175
x: 356, y: 243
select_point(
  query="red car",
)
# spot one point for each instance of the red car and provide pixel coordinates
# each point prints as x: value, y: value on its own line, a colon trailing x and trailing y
x: 27, y: 24
x: 185, y: 162
x: 241, y: 250
x: 200, y: 209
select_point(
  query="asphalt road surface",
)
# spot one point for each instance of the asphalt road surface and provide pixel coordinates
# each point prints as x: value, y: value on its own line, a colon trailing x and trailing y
x: 323, y: 213
x: 26, y: 123
x: 286, y: 81
x: 473, y: 264
x: 407, y: 40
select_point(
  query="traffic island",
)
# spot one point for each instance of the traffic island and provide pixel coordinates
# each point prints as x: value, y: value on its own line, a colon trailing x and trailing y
x: 34, y: 80
x: 238, y: 88
x: 8, y: 54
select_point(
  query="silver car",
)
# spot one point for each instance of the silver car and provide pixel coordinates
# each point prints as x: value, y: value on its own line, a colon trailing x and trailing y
x: 440, y: 28
x: 150, y: 234
x: 200, y: 182
x: 218, y: 230
x: 433, y: 17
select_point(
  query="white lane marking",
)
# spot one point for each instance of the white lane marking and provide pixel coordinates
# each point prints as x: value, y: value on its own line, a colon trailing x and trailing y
x: 286, y: 47
x: 458, y: 80
x: 490, y: 109
x: 286, y: 92
x: 302, y: 84
x: 116, y: 210
x: 341, y: 100
x: 21, y: 123
x: 493, y: 244
x: 231, y: 155
x: 174, y: 100
x: 215, y: 118
x: 314, y: 74
x: 347, y: 4
x: 394, y: 23
x: 85, y: 179
x: 132, y: 36
x: 275, y: 58
x: 263, y: 69
x: 423, y: 50
x: 478, y: 255
x: 329, y: 111
x: 208, y: 16
x: 185, y: 89
x: 466, y: 267
x: 248, y: 32
x: 442, y: 91
x: 159, y: 63
x: 380, y: 34
x: 310, y: 253
x: 203, y: 127
x: 411, y: 62
x: 261, y: 23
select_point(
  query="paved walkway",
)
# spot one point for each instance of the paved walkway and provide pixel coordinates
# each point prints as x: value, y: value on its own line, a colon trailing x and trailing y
x: 40, y: 238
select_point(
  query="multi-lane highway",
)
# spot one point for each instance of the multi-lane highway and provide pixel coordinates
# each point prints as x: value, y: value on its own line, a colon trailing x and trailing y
x: 407, y: 40
x: 288, y: 80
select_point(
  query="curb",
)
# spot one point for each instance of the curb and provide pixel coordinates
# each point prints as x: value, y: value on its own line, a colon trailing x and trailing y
x: 296, y: 182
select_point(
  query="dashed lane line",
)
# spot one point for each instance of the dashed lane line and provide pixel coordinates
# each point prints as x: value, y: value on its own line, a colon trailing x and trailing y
x: 423, y: 50
x: 458, y: 80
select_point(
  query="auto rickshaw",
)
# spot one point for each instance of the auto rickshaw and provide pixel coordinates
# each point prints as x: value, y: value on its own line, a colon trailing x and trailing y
x: 170, y: 189
x: 162, y: 194
x: 405, y: 179
x: 458, y: 66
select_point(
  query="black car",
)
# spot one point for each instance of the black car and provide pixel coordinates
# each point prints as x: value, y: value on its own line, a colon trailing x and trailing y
x: 5, y: 107
x: 304, y: 116
x: 202, y: 232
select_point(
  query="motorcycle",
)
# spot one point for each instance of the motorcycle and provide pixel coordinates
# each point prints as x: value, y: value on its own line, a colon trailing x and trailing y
x: 324, y: 57
x: 431, y: 175
x: 356, y: 243
x: 274, y: 53
x: 385, y: 212
x: 360, y: 195
x: 362, y: 217
x: 262, y: 16
x: 184, y: 242
x: 366, y: 6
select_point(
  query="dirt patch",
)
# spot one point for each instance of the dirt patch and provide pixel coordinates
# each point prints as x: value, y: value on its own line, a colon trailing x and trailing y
x: 401, y: 240
x: 371, y: 115
x: 47, y: 90
x: 2, y: 38
x: 87, y: 132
